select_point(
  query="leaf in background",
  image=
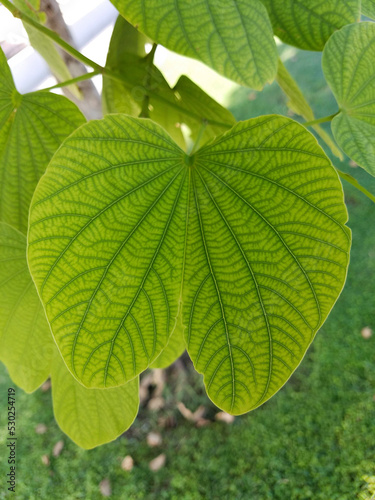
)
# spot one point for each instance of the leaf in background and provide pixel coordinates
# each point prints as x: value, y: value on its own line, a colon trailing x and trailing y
x: 254, y: 223
x: 203, y: 109
x: 368, y: 8
x: 298, y: 104
x: 32, y: 127
x: 106, y: 246
x: 307, y: 24
x: 91, y: 417
x: 349, y: 68
x: 186, y: 103
x: 44, y: 45
x: 26, y: 344
x: 234, y: 37
x: 125, y: 54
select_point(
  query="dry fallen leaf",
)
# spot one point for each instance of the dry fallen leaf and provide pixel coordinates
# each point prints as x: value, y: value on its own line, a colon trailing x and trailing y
x: 366, y: 332
x: 144, y: 384
x: 159, y: 381
x: 105, y: 488
x: 128, y: 463
x: 168, y: 421
x: 57, y: 449
x: 154, y: 439
x: 224, y: 417
x: 41, y: 429
x: 45, y: 460
x: 46, y: 386
x: 189, y: 415
x: 154, y: 380
x: 156, y: 404
x: 158, y: 462
x: 203, y: 422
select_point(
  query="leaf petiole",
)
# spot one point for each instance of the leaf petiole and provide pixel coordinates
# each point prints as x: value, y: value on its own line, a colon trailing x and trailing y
x: 320, y: 120
x: 77, y: 79
x: 146, y: 99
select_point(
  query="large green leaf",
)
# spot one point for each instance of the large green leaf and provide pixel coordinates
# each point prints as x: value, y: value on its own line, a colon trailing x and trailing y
x: 46, y: 48
x: 185, y: 104
x: 32, y: 127
x: 233, y: 37
x: 269, y: 258
x: 91, y: 417
x: 299, y: 105
x: 107, y: 244
x: 368, y: 8
x: 26, y: 344
x: 349, y: 68
x: 308, y: 24
x: 247, y: 235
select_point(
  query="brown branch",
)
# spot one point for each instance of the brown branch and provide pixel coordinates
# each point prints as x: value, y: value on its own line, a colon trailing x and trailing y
x: 90, y: 105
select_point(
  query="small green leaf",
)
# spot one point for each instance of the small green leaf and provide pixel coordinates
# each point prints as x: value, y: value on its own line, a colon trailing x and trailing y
x: 91, y: 417
x: 32, y: 127
x: 106, y: 246
x: 308, y: 24
x: 233, y: 37
x: 26, y: 344
x: 349, y: 68
x: 185, y: 104
x: 298, y: 104
x: 248, y: 235
x: 127, y: 50
x: 203, y: 110
x: 368, y: 8
x: 46, y: 48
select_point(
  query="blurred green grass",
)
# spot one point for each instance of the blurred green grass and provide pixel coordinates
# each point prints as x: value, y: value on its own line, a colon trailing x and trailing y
x: 314, y: 440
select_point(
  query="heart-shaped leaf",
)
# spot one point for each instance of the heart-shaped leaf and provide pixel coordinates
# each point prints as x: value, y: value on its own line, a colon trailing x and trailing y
x: 185, y: 104
x: 308, y: 24
x: 368, y: 8
x: 234, y: 37
x: 349, y: 68
x: 32, y: 127
x: 26, y: 343
x: 91, y: 417
x: 248, y: 236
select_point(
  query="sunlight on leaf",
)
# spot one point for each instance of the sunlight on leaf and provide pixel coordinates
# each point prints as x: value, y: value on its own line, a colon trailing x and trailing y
x: 308, y: 24
x: 32, y: 127
x: 174, y: 348
x: 185, y: 104
x: 248, y: 235
x: 106, y: 246
x: 368, y: 8
x: 266, y: 259
x: 26, y: 344
x: 91, y: 417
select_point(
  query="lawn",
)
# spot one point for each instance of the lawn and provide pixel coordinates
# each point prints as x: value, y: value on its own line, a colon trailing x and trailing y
x: 314, y: 440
